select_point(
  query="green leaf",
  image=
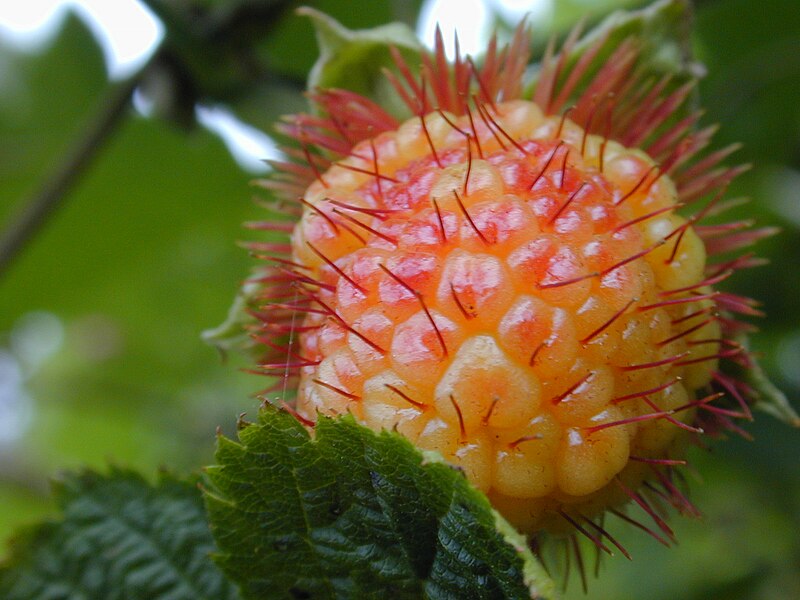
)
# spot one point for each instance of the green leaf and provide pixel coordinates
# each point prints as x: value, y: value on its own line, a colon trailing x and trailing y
x: 354, y: 60
x: 356, y: 514
x: 119, y: 538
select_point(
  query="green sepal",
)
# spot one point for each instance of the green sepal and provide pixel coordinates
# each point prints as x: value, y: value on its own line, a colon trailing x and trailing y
x: 766, y: 396
x: 351, y: 513
x: 118, y: 537
x: 232, y: 333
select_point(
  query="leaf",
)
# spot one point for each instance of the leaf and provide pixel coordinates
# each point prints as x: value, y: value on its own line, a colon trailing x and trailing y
x: 354, y: 60
x: 119, y: 538
x: 356, y: 514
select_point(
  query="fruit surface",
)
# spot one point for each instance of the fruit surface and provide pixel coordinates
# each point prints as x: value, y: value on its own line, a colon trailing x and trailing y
x: 525, y: 288
x: 507, y: 302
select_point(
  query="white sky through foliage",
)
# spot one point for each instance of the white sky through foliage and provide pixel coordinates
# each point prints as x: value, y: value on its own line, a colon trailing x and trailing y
x: 128, y: 34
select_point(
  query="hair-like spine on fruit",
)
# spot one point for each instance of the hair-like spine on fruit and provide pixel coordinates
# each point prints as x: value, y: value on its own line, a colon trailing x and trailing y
x: 522, y: 281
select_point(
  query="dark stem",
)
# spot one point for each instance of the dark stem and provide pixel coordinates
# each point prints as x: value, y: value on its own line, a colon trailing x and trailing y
x: 42, y: 205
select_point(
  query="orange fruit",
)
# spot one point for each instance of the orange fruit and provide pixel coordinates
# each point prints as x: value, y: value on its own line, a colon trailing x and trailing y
x: 512, y: 285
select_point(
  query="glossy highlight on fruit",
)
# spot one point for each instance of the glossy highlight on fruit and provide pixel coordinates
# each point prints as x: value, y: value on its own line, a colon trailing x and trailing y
x: 525, y: 288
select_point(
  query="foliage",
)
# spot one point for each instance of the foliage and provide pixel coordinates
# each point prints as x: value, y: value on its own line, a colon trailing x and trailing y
x: 354, y: 514
x: 119, y: 538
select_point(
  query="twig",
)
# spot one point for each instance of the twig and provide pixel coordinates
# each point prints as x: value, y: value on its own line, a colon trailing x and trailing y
x: 42, y: 205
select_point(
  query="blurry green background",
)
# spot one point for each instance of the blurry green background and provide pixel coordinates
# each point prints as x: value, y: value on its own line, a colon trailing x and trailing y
x: 100, y: 316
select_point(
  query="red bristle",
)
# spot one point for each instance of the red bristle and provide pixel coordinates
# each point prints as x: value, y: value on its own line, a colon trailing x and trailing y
x: 469, y: 218
x: 487, y: 97
x: 523, y: 439
x: 467, y: 315
x: 338, y: 318
x: 708, y: 232
x: 732, y: 386
x: 281, y: 261
x: 662, y: 112
x: 421, y: 300
x: 676, y: 301
x: 489, y: 128
x: 631, y: 258
x: 451, y: 124
x: 638, y: 499
x: 460, y: 417
x: 561, y: 397
x: 738, y: 240
x: 371, y: 173
x: 405, y: 396
x: 535, y: 353
x: 686, y: 332
x: 587, y: 127
x: 338, y: 390
x: 611, y: 76
x: 579, y: 561
x: 599, y: 528
x: 581, y: 529
x: 638, y: 419
x: 410, y: 80
x: 562, y: 121
x: 439, y: 218
x: 336, y: 268
x: 710, y: 161
x: 641, y: 394
x: 469, y: 168
x: 430, y: 141
x: 564, y: 206
x: 608, y: 323
x: 379, y: 213
x: 297, y: 415
x: 366, y: 227
x: 641, y: 526
x: 675, y: 246
x: 300, y: 278
x: 475, y: 137
x: 657, y: 363
x: 709, y: 281
x: 283, y: 366
x: 563, y: 55
x: 668, y: 462
x: 578, y: 72
x: 546, y: 83
x: 677, y: 498
x: 717, y: 356
x: 277, y: 226
x: 546, y: 164
x: 697, y: 188
x: 510, y: 86
x: 408, y: 99
x: 557, y: 284
x: 638, y: 185
x: 659, y: 149
x: 487, y: 416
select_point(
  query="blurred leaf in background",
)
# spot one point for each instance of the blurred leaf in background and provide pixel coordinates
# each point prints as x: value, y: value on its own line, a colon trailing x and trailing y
x: 100, y: 315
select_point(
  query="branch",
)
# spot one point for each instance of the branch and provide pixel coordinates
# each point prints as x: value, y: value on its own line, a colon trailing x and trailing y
x: 42, y: 205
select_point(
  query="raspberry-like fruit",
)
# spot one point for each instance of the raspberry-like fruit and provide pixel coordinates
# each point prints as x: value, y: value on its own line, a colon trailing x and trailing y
x: 510, y: 286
